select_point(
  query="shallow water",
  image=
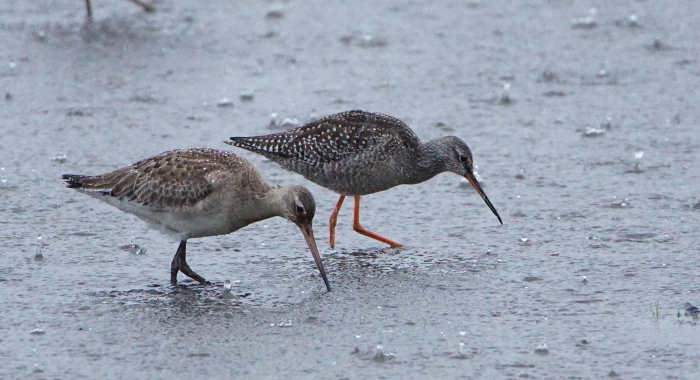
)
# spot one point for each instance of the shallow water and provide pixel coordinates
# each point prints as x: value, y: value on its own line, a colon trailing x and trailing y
x: 584, y: 128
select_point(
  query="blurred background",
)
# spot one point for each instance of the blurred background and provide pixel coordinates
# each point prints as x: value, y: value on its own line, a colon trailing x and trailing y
x: 582, y: 117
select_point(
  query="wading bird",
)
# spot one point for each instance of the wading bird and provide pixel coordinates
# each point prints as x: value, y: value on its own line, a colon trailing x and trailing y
x: 356, y: 153
x: 199, y: 192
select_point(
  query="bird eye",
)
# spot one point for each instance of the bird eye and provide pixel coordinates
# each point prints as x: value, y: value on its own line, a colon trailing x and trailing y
x: 462, y: 159
x: 300, y: 209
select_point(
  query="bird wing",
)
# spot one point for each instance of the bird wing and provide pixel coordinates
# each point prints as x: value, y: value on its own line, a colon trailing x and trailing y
x: 172, y: 179
x: 332, y: 138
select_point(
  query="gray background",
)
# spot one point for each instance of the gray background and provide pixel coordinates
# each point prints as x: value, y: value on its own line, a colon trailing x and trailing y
x: 619, y: 209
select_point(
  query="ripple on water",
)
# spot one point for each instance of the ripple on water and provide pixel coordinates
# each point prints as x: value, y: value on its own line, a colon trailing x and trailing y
x: 620, y: 204
x: 643, y: 237
x: 542, y: 349
x: 194, y: 295
x: 382, y: 357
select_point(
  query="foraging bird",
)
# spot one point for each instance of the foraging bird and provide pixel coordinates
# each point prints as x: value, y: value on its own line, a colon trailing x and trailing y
x: 146, y: 7
x: 199, y: 192
x: 356, y: 153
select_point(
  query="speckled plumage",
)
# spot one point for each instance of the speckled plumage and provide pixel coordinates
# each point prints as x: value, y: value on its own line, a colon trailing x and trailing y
x: 199, y: 192
x: 351, y: 153
x: 356, y: 153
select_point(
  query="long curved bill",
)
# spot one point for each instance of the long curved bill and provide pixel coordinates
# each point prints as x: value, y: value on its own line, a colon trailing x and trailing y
x: 470, y: 177
x: 308, y: 233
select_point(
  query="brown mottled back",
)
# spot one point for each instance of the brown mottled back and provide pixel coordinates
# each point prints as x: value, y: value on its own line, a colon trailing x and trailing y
x: 172, y: 179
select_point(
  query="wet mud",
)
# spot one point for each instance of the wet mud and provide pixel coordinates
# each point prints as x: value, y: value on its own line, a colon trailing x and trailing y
x: 584, y: 125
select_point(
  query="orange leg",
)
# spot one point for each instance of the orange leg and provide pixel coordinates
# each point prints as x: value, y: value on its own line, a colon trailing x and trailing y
x: 361, y: 230
x: 334, y: 219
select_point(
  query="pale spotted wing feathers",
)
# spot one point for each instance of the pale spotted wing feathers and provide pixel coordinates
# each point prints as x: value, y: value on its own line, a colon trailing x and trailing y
x: 332, y: 138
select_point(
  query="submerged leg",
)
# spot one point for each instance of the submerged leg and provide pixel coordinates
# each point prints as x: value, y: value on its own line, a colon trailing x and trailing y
x: 334, y: 219
x: 146, y: 7
x: 179, y: 263
x: 361, y: 230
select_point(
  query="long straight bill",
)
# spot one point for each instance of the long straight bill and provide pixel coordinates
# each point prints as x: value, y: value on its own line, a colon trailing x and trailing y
x: 308, y: 233
x: 470, y: 177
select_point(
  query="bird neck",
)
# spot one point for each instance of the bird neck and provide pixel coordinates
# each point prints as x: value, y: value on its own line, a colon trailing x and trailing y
x: 273, y: 202
x: 431, y: 161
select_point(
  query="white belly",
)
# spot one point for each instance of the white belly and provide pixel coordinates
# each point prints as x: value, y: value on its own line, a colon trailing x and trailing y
x: 186, y: 222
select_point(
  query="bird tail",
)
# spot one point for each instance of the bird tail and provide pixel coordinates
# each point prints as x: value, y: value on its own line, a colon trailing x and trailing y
x: 242, y: 142
x: 258, y: 145
x: 87, y: 183
x: 75, y: 181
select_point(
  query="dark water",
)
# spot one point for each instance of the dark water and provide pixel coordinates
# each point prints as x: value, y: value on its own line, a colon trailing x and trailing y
x: 584, y: 126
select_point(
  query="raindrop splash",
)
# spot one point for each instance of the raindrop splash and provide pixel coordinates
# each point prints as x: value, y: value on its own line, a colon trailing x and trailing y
x: 60, y: 158
x: 227, y: 290
x: 382, y: 357
x: 542, y: 349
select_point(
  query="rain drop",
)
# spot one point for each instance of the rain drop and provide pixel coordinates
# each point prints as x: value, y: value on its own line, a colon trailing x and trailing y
x: 593, y: 132
x: 382, y: 357
x: 542, y: 349
x: 60, y: 158
x: 224, y: 103
x: 288, y: 123
x: 135, y: 249
x: 633, y: 21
